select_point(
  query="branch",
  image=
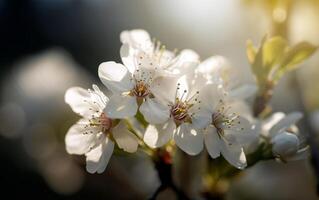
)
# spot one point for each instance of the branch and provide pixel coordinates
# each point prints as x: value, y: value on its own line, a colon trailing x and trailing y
x: 163, y: 165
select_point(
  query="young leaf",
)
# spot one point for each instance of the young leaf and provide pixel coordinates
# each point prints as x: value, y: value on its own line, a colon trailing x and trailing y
x: 257, y: 62
x: 273, y: 50
x: 296, y: 55
x: 251, y: 51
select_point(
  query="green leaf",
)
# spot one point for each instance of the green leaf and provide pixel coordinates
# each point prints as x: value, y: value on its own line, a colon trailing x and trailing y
x: 273, y: 50
x: 257, y: 64
x: 293, y: 57
x: 296, y: 55
x: 251, y: 51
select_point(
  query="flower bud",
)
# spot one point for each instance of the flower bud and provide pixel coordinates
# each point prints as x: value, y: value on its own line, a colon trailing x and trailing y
x: 285, y: 144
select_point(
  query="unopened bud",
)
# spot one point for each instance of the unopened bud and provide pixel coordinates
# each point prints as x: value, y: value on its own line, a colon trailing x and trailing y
x: 285, y: 144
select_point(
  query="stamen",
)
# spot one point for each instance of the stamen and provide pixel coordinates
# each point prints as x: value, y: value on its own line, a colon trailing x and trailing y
x: 102, y: 121
x: 140, y: 89
x: 193, y: 97
x: 179, y: 111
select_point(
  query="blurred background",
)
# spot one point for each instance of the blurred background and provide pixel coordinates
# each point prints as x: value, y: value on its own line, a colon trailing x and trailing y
x: 49, y: 45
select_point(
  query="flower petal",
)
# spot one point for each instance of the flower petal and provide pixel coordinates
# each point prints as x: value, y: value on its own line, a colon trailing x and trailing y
x: 128, y: 57
x: 216, y: 69
x: 164, y: 89
x: 188, y: 61
x: 115, y: 77
x: 159, y: 135
x: 212, y: 142
x: 81, y: 101
x: 124, y: 138
x: 120, y: 107
x: 244, y: 91
x: 201, y: 118
x: 268, y: 123
x: 241, y: 137
x: 285, y: 123
x: 188, y: 55
x: 80, y: 138
x: 98, y: 158
x: 210, y: 96
x: 190, y: 140
x: 239, y: 124
x: 234, y: 154
x: 154, y: 112
x: 285, y: 144
x: 138, y: 39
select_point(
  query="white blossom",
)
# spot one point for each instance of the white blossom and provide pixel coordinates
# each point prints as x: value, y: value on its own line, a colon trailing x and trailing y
x: 226, y: 132
x: 173, y: 117
x: 138, y: 42
x: 94, y: 134
x: 133, y: 83
x: 218, y: 70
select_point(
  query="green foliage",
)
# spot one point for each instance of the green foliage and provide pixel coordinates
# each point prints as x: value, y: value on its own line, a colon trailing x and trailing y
x: 274, y: 58
x: 294, y: 56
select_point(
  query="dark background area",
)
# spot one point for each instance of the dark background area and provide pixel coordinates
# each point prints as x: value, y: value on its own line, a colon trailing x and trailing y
x: 29, y: 27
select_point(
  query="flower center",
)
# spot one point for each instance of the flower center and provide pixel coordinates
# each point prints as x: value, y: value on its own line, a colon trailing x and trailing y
x: 179, y: 111
x: 217, y: 122
x: 222, y: 122
x: 102, y: 121
x: 140, y: 90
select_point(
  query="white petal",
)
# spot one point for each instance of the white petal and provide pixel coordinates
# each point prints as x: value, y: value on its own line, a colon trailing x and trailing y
x: 190, y: 140
x: 135, y: 59
x: 115, y: 77
x: 166, y: 58
x: 181, y: 68
x: 243, y: 92
x: 183, y: 86
x: 98, y: 158
x: 159, y: 135
x: 268, y: 123
x: 210, y: 96
x: 285, y: 144
x: 241, y: 107
x: 189, y: 85
x: 192, y: 83
x: 239, y: 124
x: 80, y: 138
x: 241, y: 132
x: 285, y: 123
x: 201, y: 118
x: 188, y: 55
x: 98, y: 94
x: 185, y: 62
x: 212, y: 142
x: 164, y: 88
x: 124, y: 138
x: 241, y: 137
x: 154, y: 112
x: 120, y: 107
x: 234, y: 154
x: 81, y: 102
x: 138, y: 38
x: 128, y: 57
x: 216, y: 69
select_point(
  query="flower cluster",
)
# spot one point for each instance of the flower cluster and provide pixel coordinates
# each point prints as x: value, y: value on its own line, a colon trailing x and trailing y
x: 180, y: 101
